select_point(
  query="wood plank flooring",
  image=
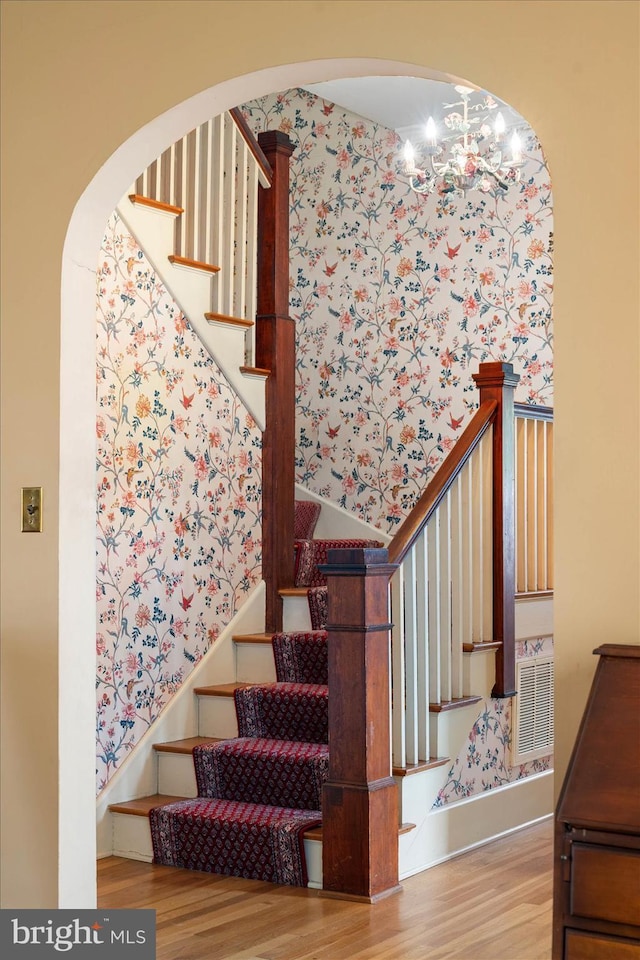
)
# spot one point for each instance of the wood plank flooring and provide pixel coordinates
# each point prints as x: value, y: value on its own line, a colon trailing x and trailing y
x: 494, y: 903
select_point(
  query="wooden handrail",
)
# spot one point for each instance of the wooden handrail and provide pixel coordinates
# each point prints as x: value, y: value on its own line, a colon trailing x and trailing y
x: 252, y: 143
x: 420, y: 515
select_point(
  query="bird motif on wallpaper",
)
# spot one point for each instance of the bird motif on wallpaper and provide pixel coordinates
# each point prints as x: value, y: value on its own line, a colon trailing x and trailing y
x: 130, y: 263
x: 330, y: 270
x: 327, y: 109
x: 333, y: 431
x: 185, y: 602
x: 185, y: 400
x: 130, y: 474
x: 455, y: 423
x: 452, y: 251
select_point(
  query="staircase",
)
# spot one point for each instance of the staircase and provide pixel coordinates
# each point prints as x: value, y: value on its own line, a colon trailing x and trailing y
x: 445, y: 602
x: 258, y: 793
x: 260, y: 758
x: 262, y: 753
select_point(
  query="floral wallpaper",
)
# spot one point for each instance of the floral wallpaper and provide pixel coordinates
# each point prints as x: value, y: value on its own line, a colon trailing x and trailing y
x: 484, y: 761
x: 397, y: 298
x: 179, y: 499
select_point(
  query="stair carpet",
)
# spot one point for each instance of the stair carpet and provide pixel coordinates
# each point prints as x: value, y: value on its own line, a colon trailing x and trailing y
x: 260, y: 792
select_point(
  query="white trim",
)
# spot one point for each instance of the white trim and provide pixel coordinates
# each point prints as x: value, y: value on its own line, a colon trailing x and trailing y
x: 454, y: 829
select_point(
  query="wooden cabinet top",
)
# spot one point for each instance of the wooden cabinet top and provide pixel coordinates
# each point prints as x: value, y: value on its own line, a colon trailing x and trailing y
x: 601, y: 790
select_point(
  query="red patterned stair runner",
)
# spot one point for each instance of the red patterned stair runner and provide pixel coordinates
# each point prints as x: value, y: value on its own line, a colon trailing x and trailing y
x: 237, y: 839
x: 260, y: 792
x: 275, y: 772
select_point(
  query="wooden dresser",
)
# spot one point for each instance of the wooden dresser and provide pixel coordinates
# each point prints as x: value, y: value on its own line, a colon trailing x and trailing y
x: 596, y: 906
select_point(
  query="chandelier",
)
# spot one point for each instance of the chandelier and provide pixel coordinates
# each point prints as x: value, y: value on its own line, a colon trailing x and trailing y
x: 475, y: 159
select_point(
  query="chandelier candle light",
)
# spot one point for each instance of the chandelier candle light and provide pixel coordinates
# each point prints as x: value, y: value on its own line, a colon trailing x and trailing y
x: 467, y: 167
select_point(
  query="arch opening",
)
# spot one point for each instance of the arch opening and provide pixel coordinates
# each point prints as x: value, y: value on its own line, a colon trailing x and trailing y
x: 77, y: 433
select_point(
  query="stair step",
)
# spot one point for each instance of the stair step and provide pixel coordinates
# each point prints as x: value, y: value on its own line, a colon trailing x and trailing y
x: 156, y: 204
x: 132, y: 834
x: 295, y: 611
x: 253, y: 638
x: 141, y: 806
x: 217, y: 711
x: 233, y: 838
x: 183, y: 746
x: 454, y: 704
x: 254, y: 658
x: 259, y: 373
x: 420, y: 767
x: 284, y: 711
x: 275, y: 773
x: 178, y: 261
x: 176, y: 772
x: 225, y: 318
x: 221, y: 689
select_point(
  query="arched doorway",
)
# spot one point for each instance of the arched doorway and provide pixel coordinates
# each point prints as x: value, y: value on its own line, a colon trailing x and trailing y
x: 77, y: 706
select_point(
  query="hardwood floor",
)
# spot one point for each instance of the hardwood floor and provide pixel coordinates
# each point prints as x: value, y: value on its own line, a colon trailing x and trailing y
x: 494, y: 903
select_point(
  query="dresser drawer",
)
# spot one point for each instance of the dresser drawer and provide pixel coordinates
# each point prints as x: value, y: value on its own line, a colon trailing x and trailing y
x: 605, y: 883
x: 580, y: 945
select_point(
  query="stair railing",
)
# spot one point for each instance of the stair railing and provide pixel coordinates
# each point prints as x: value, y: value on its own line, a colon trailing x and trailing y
x: 534, y: 499
x: 441, y: 594
x: 211, y: 178
x: 454, y: 587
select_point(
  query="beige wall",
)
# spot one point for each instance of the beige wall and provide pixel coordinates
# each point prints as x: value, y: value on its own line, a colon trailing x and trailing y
x: 78, y: 79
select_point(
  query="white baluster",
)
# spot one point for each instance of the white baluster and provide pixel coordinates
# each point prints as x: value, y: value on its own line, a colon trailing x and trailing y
x: 457, y: 586
x: 486, y: 451
x: 411, y: 655
x: 433, y: 581
x: 398, y: 671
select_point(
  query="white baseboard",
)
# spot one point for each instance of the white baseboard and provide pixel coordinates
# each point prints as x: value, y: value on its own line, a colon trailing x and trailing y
x: 458, y: 827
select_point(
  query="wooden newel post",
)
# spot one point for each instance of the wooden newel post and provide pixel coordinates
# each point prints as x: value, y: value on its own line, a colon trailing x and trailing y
x: 497, y: 381
x: 360, y: 817
x: 276, y: 352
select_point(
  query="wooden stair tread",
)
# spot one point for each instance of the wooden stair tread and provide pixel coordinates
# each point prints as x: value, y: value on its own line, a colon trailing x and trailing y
x: 429, y: 764
x: 293, y: 592
x: 453, y: 704
x: 255, y: 372
x: 476, y: 647
x: 221, y: 689
x: 195, y: 264
x: 142, y: 806
x: 315, y: 833
x: 156, y: 204
x: 225, y: 318
x: 253, y: 638
x: 184, y: 746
